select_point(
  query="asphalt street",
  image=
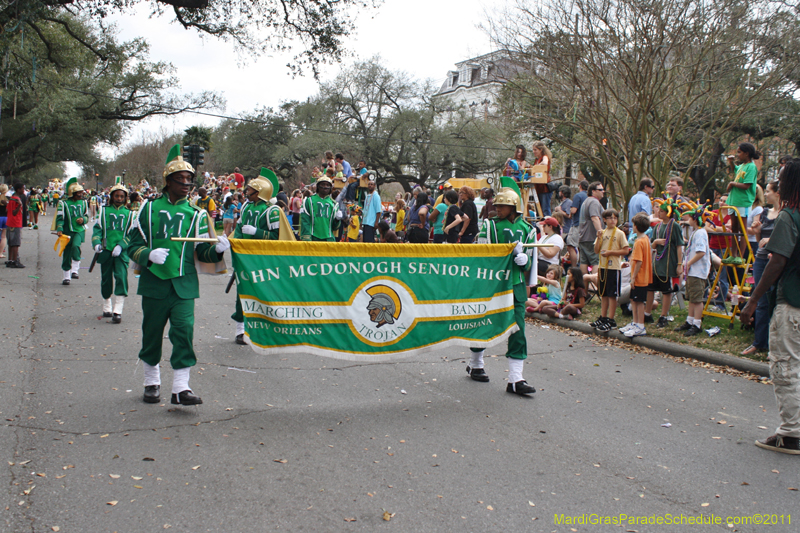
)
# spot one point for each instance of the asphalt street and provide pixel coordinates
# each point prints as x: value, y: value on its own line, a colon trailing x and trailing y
x: 304, y: 443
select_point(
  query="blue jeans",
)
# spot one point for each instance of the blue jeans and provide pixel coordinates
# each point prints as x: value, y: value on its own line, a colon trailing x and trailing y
x: 762, y: 311
x: 544, y: 199
x: 723, y: 281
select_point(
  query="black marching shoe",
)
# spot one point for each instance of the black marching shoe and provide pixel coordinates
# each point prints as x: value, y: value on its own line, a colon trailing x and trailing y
x: 116, y: 319
x: 662, y: 322
x: 152, y: 394
x: 65, y: 282
x: 685, y: 327
x: 478, y: 374
x: 240, y: 339
x: 520, y: 387
x: 648, y: 319
x: 74, y: 275
x: 107, y: 314
x: 186, y: 398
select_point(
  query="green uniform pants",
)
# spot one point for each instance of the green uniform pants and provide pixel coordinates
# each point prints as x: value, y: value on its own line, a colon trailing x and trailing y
x: 180, y: 314
x: 238, y: 314
x: 517, y: 342
x: 114, y: 277
x: 72, y: 251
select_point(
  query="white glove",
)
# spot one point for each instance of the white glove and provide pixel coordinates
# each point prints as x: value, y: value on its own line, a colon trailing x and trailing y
x: 223, y: 243
x: 159, y: 256
x: 339, y: 215
x: 116, y: 251
x: 521, y: 259
x: 247, y: 229
x: 517, y: 249
x: 98, y: 248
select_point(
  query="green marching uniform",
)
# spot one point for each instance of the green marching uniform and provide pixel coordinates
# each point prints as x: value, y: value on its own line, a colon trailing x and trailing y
x: 113, y: 224
x: 317, y: 219
x: 168, y: 291
x: 500, y: 231
x: 69, y: 211
x: 170, y: 285
x: 258, y: 220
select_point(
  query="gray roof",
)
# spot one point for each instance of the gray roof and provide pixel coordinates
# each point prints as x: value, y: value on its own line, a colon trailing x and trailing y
x: 496, y: 67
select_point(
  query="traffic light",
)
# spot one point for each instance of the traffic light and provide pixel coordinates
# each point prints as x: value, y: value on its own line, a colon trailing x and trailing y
x: 199, y: 153
x: 188, y: 154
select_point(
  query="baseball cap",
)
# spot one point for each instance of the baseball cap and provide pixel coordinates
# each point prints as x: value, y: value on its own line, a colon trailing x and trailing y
x: 550, y: 221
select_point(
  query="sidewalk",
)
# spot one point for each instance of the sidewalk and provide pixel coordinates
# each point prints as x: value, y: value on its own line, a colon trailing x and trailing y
x: 660, y: 345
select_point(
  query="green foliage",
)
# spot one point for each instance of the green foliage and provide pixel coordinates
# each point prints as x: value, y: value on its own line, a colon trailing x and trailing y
x: 62, y: 97
x: 42, y: 175
x: 254, y: 26
x: 647, y: 89
x: 199, y: 135
x: 368, y: 112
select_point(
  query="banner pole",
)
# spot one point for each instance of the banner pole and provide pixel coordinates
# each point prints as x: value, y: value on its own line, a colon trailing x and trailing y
x: 210, y: 240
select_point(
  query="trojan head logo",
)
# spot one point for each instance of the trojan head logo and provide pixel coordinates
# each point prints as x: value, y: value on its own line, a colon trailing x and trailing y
x: 384, y: 306
x: 382, y: 311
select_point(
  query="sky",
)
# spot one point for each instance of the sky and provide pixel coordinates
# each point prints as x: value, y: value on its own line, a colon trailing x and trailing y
x: 424, y: 38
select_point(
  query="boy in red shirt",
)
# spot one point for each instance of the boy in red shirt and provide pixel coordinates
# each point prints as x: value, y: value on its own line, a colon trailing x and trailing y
x: 14, y: 225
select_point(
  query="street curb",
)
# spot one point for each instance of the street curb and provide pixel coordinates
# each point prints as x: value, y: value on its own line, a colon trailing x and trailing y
x: 660, y: 345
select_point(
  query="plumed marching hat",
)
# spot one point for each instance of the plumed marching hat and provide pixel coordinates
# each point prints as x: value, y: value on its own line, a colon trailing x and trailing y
x: 175, y: 163
x: 266, y: 184
x: 509, y: 194
x: 118, y: 186
x: 72, y: 186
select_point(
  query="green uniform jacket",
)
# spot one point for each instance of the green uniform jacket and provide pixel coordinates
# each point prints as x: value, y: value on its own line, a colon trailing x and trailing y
x: 158, y: 221
x: 264, y: 216
x: 499, y: 231
x: 317, y: 219
x: 69, y: 211
x: 111, y: 227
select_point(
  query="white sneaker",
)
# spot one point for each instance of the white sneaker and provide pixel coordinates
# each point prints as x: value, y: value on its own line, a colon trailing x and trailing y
x: 625, y: 329
x: 636, y: 331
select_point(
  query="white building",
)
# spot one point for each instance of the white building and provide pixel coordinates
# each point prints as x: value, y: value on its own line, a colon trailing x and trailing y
x: 476, y: 83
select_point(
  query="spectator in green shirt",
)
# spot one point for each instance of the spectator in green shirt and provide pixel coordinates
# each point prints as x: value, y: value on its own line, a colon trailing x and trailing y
x: 742, y: 191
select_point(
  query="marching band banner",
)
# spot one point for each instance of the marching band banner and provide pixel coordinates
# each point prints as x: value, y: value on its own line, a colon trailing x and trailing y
x: 373, y: 302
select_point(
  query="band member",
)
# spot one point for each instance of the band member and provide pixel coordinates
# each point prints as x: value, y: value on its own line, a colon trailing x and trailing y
x: 168, y: 284
x: 319, y: 217
x: 71, y: 220
x: 510, y: 227
x: 261, y: 219
x: 113, y: 224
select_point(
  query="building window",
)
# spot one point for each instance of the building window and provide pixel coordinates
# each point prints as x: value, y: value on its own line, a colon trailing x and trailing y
x: 465, y: 75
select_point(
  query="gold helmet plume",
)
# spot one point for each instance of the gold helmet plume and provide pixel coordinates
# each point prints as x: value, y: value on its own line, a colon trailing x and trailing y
x: 266, y: 184
x: 175, y: 163
x: 72, y: 186
x: 118, y: 186
x: 509, y: 195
